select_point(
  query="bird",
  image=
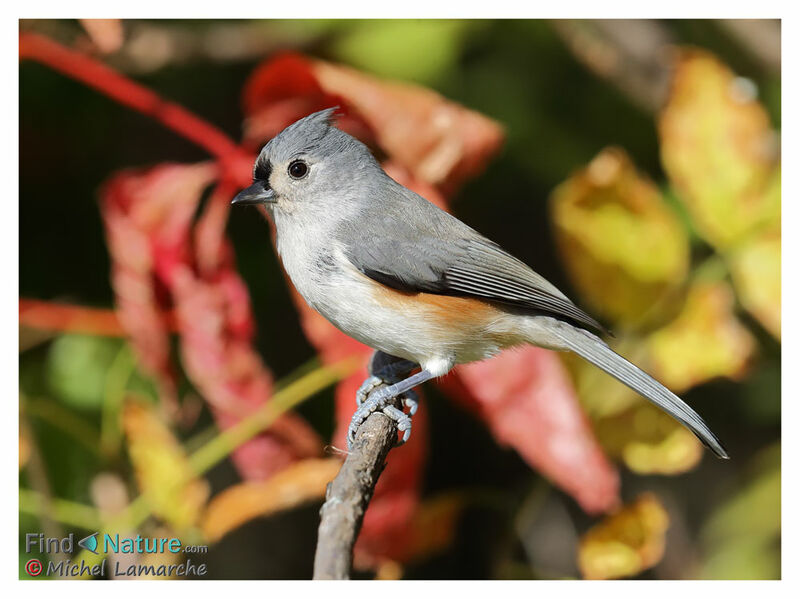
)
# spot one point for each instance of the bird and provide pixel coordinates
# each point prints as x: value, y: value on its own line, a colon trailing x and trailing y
x: 423, y: 289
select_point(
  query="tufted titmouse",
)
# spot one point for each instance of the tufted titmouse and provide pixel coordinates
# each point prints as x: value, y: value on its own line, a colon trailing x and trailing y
x: 400, y: 275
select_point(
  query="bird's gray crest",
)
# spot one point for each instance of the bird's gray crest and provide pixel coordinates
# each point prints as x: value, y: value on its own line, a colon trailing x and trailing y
x: 314, y: 126
x: 303, y: 135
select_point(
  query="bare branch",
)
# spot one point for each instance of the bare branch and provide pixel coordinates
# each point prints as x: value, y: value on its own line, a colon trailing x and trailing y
x: 349, y: 495
x: 631, y: 54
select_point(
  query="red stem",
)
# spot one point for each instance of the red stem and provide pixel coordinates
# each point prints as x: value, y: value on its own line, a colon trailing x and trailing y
x: 97, y: 75
x: 67, y: 318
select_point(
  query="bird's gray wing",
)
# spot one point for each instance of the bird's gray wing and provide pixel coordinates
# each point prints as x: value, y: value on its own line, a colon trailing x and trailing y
x: 439, y: 254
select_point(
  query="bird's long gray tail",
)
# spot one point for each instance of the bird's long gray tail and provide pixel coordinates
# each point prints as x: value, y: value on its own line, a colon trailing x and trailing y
x: 595, y: 350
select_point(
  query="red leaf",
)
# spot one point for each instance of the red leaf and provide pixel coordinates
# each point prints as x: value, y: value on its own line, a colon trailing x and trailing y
x: 437, y: 141
x: 528, y: 401
x: 285, y: 89
x: 148, y: 221
x: 148, y: 217
x: 286, y: 76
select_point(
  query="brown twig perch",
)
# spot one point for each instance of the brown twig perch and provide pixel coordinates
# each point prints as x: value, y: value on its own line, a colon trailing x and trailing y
x: 348, y: 496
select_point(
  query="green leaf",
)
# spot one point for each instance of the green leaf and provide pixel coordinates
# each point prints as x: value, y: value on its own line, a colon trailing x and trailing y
x: 76, y: 369
x: 742, y: 537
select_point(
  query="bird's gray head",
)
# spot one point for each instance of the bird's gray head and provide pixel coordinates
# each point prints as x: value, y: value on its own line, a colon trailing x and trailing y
x: 309, y: 165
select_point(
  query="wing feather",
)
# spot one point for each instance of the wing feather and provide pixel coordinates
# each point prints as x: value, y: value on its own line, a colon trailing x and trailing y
x: 467, y: 267
x: 420, y: 248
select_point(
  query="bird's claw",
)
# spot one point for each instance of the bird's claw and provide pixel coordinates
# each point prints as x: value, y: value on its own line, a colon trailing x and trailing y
x: 367, y: 387
x: 403, y: 421
x: 381, y: 400
x: 411, y: 401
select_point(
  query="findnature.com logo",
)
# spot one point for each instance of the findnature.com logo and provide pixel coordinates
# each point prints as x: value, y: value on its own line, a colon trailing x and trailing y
x: 118, y: 557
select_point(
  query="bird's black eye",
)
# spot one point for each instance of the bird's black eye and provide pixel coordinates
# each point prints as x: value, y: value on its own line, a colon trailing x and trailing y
x: 298, y: 169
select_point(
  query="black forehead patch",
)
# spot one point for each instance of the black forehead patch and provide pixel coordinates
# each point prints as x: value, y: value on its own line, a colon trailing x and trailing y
x: 263, y: 170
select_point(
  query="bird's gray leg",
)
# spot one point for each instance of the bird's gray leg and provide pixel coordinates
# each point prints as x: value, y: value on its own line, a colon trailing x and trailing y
x: 381, y: 400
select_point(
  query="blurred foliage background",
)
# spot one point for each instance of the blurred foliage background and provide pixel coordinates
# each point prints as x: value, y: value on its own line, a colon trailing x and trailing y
x: 640, y: 174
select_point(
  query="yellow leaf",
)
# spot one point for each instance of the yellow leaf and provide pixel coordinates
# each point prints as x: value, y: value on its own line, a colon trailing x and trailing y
x: 678, y: 452
x: 718, y: 149
x: 705, y: 340
x: 756, y: 271
x: 625, y: 543
x: 297, y: 484
x: 624, y: 249
x: 649, y: 441
x: 162, y: 468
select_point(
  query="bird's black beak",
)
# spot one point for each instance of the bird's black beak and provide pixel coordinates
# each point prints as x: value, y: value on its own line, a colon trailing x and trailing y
x: 258, y: 193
